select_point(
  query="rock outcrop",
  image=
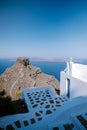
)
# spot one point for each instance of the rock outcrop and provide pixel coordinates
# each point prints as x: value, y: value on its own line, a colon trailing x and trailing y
x: 23, y: 61
x: 23, y: 75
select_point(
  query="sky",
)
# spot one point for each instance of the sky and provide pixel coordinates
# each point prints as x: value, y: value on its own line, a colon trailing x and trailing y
x: 43, y: 28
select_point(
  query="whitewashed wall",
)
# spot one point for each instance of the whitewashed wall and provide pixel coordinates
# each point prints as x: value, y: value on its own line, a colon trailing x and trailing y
x: 63, y: 83
x: 78, y: 87
x: 79, y: 71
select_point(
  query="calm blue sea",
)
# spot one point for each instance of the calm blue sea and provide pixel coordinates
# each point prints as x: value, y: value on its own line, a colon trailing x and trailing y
x: 52, y: 68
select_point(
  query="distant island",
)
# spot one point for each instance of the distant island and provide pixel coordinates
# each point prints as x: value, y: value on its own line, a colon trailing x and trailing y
x: 43, y: 59
x: 48, y: 59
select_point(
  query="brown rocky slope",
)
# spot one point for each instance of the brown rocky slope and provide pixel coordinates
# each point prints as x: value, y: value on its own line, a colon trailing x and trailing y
x: 23, y: 75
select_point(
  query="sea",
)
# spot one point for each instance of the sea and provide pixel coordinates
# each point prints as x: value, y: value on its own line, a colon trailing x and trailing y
x: 51, y: 68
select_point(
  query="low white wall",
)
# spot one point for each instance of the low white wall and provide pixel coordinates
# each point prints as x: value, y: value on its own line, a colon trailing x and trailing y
x: 79, y: 71
x: 77, y: 86
x: 63, y: 83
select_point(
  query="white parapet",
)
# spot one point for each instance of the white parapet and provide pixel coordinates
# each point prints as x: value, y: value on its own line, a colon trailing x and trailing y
x: 69, y: 68
x: 73, y: 81
x: 79, y: 71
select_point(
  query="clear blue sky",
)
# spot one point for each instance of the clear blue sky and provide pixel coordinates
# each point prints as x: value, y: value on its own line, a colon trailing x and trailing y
x: 43, y: 28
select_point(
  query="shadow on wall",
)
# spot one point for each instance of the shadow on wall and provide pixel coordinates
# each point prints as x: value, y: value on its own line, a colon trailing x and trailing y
x: 9, y: 107
x: 73, y: 94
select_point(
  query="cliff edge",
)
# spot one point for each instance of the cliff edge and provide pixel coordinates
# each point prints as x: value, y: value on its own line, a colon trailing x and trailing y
x: 23, y: 75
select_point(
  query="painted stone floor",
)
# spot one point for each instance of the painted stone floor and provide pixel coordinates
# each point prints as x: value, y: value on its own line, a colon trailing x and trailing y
x: 47, y: 111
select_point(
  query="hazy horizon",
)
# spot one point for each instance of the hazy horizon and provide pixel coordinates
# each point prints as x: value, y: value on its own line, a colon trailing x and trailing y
x: 49, y: 29
x: 37, y: 59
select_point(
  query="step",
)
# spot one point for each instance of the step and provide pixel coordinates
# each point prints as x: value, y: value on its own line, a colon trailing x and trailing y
x: 65, y: 125
x: 80, y: 121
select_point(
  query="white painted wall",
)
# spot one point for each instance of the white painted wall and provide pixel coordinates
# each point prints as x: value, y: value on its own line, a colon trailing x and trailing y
x: 79, y: 71
x: 78, y: 80
x: 63, y: 83
x: 78, y: 88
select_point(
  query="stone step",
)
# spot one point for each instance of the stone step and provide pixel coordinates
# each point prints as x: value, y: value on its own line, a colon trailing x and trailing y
x: 48, y: 112
x: 80, y: 121
x: 41, y: 102
x: 63, y: 125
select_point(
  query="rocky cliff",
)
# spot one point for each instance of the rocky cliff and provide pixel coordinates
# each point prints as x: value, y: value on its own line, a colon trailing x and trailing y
x: 23, y: 75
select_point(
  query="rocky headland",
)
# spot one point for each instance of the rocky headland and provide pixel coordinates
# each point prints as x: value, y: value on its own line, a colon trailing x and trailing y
x: 23, y: 75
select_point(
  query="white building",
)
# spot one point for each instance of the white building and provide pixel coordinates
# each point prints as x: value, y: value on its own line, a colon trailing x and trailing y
x: 73, y: 80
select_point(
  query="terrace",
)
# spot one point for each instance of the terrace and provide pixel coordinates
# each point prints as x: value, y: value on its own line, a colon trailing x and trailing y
x: 47, y: 111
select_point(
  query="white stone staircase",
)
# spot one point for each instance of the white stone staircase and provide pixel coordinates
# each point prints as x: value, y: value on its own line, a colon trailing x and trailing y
x: 76, y: 122
x: 47, y: 111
